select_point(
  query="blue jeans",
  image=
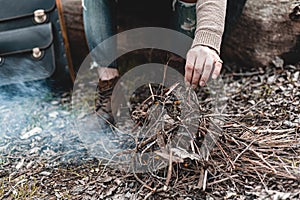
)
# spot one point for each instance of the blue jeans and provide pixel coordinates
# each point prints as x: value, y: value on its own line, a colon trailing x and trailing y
x: 99, y: 23
x: 100, y: 20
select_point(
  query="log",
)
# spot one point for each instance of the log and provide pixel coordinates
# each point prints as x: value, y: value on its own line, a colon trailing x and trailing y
x: 72, y: 10
x: 266, y: 29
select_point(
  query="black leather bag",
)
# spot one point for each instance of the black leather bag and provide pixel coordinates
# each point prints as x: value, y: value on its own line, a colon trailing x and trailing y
x: 31, y: 43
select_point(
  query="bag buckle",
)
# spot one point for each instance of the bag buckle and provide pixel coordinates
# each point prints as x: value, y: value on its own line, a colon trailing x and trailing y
x: 40, y: 16
x: 36, y: 53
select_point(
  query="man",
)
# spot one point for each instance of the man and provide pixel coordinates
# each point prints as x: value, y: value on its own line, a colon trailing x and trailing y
x: 203, y: 59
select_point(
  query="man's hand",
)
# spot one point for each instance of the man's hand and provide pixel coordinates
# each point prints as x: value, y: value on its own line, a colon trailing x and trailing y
x: 201, y: 63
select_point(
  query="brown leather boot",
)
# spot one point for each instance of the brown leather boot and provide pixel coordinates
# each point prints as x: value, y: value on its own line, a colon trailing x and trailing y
x: 103, y: 99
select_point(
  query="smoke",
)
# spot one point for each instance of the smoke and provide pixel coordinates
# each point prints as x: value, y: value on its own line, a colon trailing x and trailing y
x: 32, y: 119
x: 17, y: 103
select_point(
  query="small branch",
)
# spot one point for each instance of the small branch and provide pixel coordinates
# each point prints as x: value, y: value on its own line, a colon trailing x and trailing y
x: 247, y: 148
x: 169, y: 171
x: 276, y: 131
x: 222, y: 180
x: 262, y: 158
x: 152, y: 95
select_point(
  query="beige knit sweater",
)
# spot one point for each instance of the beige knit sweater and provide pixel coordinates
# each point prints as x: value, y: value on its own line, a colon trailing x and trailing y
x: 210, y: 23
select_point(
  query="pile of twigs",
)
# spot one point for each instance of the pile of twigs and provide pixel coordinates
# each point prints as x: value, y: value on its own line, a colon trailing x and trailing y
x: 254, y: 145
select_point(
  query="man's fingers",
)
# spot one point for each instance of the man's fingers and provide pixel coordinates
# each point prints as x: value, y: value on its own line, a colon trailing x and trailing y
x: 208, y: 66
x: 202, y: 62
x: 189, y: 66
x: 198, y: 71
x: 217, y: 70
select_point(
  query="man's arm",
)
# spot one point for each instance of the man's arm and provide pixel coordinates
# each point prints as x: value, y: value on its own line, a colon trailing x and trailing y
x: 203, y: 58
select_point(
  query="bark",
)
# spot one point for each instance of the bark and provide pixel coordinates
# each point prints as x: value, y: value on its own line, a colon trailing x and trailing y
x: 73, y: 18
x: 266, y: 29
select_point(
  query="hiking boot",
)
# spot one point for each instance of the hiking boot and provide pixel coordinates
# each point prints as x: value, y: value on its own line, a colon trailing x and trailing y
x: 103, y: 100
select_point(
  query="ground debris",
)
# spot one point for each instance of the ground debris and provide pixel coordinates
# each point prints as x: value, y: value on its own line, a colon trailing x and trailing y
x: 256, y: 151
x: 31, y: 133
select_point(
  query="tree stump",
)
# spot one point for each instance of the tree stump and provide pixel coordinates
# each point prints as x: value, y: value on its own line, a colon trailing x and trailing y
x: 266, y: 29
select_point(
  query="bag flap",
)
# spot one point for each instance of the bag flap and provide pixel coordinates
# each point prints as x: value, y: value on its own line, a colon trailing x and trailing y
x: 13, y: 9
x: 25, y: 39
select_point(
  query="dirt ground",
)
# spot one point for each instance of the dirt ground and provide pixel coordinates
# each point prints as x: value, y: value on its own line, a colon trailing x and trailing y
x: 256, y: 156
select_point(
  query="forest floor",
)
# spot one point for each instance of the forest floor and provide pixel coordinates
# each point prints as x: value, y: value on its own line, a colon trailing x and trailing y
x: 256, y: 153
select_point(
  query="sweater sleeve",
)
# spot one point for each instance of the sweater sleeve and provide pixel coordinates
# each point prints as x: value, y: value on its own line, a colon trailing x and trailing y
x: 210, y: 23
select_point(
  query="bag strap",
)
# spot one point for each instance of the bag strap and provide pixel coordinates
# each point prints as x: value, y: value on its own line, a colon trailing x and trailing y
x: 65, y: 38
